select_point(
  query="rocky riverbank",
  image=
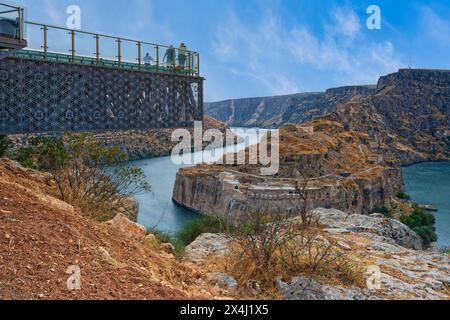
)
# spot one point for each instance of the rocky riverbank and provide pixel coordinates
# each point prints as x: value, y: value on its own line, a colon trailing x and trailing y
x: 382, y: 245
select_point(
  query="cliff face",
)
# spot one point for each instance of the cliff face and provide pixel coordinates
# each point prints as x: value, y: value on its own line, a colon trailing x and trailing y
x: 273, y: 112
x: 408, y: 117
x: 230, y: 195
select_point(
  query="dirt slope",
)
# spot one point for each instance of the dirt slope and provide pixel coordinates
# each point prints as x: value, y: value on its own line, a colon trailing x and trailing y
x: 40, y: 237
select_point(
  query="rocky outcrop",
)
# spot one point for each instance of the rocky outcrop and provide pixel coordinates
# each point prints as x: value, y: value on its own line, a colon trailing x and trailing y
x: 306, y: 289
x: 352, y: 155
x: 229, y: 195
x: 341, y: 169
x: 208, y: 244
x: 390, y: 229
x: 126, y: 227
x: 273, y: 112
x: 382, y: 247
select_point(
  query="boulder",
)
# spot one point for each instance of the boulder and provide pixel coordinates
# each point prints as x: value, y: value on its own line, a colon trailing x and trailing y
x: 207, y: 244
x: 222, y: 280
x: 129, y: 207
x: 127, y: 227
x: 375, y: 224
x: 302, y: 288
x: 150, y: 241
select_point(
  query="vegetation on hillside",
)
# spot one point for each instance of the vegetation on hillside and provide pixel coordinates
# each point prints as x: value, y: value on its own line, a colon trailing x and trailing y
x: 384, y: 211
x: 403, y: 196
x: 88, y: 175
x: 423, y: 224
x: 4, y: 143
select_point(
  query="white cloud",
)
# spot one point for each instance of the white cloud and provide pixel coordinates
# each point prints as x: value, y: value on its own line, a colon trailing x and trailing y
x: 438, y: 28
x: 345, y: 23
x: 275, y: 56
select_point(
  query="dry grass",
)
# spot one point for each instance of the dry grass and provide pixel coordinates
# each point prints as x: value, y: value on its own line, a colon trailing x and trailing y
x: 305, y: 251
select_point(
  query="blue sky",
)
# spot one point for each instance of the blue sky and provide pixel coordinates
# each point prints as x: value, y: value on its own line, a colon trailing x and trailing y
x: 271, y: 47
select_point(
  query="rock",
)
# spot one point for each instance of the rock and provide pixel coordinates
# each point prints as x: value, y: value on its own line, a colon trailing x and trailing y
x: 254, y: 287
x: 128, y: 228
x: 129, y: 207
x: 222, y: 280
x: 302, y: 288
x: 167, y: 248
x: 381, y: 226
x: 207, y: 244
x: 151, y: 241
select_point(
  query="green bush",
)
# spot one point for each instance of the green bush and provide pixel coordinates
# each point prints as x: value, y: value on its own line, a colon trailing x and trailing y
x: 4, y: 144
x: 384, y: 211
x: 88, y: 175
x: 42, y: 153
x: 423, y: 224
x: 403, y: 196
x: 196, y: 227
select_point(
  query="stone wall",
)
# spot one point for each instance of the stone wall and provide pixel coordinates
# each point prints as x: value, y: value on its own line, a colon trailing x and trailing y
x: 223, y: 193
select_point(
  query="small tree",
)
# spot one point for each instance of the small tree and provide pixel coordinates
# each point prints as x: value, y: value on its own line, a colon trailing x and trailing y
x: 96, y: 179
x: 269, y: 246
x: 4, y: 144
x: 88, y: 175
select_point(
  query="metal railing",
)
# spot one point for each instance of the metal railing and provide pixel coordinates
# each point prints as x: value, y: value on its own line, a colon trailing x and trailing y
x: 76, y: 46
x: 12, y: 21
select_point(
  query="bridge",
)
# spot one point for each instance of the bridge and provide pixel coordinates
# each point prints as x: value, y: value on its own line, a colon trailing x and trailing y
x: 62, y: 80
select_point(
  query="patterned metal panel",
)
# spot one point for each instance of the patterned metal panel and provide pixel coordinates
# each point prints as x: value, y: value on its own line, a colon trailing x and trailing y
x: 41, y: 96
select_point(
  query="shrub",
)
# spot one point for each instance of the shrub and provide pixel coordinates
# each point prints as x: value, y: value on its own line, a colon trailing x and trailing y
x: 423, y: 224
x: 269, y: 247
x: 42, y: 153
x: 403, y: 196
x: 384, y: 211
x: 88, y: 175
x: 205, y: 224
x: 4, y: 144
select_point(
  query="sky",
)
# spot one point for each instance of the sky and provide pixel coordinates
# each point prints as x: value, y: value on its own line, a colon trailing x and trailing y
x: 252, y: 48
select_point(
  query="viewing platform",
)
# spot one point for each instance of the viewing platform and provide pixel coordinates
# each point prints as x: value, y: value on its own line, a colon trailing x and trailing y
x: 54, y: 79
x: 12, y: 29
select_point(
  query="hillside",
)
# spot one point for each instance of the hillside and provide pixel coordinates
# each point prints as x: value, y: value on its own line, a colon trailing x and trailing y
x: 273, y: 112
x: 40, y: 237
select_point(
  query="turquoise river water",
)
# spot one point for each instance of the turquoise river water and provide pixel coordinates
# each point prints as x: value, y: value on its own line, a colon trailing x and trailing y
x: 429, y: 183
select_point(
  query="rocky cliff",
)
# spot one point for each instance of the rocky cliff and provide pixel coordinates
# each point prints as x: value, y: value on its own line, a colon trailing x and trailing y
x: 353, y: 154
x: 408, y: 117
x: 340, y: 169
x: 273, y: 112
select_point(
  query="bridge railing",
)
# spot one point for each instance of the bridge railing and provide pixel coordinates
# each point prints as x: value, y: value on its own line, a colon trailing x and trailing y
x: 75, y: 46
x: 12, y: 21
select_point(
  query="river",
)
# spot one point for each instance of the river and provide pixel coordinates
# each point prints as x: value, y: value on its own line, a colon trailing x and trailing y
x: 429, y: 183
x: 157, y: 210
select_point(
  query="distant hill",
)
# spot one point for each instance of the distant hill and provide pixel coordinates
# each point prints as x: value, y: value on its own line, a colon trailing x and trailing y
x: 273, y: 112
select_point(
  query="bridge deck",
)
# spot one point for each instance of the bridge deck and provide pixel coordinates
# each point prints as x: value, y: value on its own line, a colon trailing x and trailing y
x: 61, y: 57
